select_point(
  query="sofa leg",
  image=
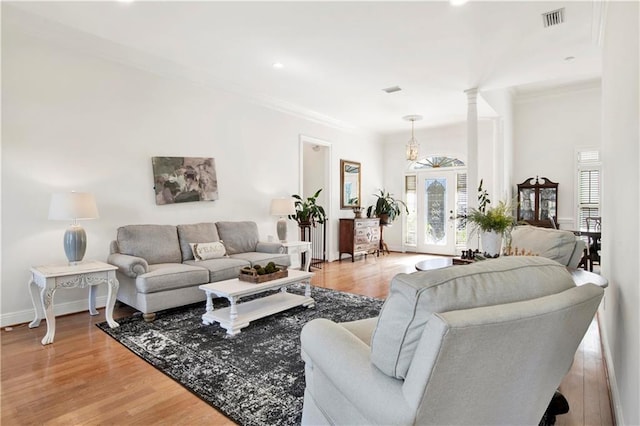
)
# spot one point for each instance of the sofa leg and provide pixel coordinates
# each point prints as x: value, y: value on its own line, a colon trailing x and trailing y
x: 149, y: 317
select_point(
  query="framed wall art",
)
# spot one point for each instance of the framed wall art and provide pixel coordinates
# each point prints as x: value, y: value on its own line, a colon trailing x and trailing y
x: 184, y: 179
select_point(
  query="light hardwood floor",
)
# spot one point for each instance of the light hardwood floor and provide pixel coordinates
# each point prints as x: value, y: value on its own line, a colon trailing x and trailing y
x: 86, y: 377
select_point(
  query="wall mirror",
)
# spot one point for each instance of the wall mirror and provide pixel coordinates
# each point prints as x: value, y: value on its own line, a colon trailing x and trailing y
x: 349, y: 184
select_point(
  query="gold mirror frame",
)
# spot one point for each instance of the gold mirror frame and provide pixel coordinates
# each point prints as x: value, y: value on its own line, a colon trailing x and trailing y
x: 350, y: 172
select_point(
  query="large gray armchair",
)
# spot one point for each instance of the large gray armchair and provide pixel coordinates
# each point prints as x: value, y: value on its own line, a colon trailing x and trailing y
x: 482, y: 344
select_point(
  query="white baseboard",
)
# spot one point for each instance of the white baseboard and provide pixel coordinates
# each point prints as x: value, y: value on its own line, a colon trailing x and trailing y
x: 613, y: 384
x: 20, y: 317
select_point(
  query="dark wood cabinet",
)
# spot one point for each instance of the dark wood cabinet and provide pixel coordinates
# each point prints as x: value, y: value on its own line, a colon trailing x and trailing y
x: 359, y: 236
x: 538, y: 202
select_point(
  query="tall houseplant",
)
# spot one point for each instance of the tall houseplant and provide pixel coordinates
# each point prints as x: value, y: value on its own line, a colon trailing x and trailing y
x: 387, y: 208
x: 491, y: 222
x: 308, y: 212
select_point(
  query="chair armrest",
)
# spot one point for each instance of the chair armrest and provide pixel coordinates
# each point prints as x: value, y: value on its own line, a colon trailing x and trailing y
x: 344, y: 360
x: 131, y: 266
x: 577, y: 254
x: 263, y: 247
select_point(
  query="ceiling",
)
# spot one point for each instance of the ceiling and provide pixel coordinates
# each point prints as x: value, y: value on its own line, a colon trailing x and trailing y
x: 338, y: 56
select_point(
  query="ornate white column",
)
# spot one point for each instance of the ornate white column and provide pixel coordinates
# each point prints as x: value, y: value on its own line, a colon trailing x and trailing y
x: 472, y: 155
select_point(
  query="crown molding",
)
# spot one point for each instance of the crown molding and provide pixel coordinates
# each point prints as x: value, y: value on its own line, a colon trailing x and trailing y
x: 74, y: 40
x: 523, y: 96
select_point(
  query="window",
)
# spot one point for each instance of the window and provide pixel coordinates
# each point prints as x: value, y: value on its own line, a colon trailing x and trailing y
x: 411, y: 195
x: 461, y: 210
x: 588, y: 186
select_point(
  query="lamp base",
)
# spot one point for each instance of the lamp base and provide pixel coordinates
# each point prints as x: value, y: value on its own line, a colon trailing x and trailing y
x: 282, y: 230
x: 75, y: 244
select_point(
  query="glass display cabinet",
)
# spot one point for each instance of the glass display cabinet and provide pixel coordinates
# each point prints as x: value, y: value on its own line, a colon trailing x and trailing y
x: 538, y: 202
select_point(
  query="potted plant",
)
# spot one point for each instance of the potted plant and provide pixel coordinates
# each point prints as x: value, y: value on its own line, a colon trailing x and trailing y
x: 308, y: 213
x: 492, y: 222
x: 387, y: 208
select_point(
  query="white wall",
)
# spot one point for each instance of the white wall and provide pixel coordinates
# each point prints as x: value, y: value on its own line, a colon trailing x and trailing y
x: 75, y: 121
x: 549, y: 127
x: 621, y: 207
x: 450, y: 141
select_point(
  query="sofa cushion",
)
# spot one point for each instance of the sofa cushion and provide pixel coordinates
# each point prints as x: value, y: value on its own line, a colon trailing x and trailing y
x: 168, y: 276
x: 553, y: 244
x: 153, y: 243
x: 206, y: 251
x: 196, y: 233
x: 220, y: 269
x: 414, y: 297
x: 238, y: 237
x: 262, y: 259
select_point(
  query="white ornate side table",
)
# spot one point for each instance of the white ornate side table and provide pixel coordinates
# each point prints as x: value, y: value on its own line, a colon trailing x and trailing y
x: 299, y: 247
x: 49, y: 278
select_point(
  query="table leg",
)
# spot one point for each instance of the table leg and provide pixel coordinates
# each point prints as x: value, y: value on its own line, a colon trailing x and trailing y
x: 307, y: 257
x: 37, y: 303
x: 208, y: 309
x: 92, y: 300
x: 113, y: 286
x: 307, y: 292
x: 233, y: 311
x: 46, y: 296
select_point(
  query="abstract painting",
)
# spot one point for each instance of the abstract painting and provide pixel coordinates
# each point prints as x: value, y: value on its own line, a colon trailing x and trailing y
x: 184, y: 179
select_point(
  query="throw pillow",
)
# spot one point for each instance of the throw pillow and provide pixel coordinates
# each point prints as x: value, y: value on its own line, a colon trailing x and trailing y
x: 206, y: 251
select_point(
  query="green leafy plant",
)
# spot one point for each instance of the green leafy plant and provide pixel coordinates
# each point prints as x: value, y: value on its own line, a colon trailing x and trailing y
x: 387, y: 207
x: 308, y: 212
x: 498, y: 219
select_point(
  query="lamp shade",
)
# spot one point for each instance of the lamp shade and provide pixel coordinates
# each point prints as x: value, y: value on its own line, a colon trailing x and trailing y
x: 283, y: 206
x: 73, y: 206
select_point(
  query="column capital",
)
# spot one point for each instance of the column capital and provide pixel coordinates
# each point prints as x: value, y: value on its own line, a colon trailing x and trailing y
x: 472, y: 94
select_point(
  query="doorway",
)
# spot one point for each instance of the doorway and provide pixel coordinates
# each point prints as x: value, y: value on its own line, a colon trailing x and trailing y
x: 437, y: 201
x: 315, y: 168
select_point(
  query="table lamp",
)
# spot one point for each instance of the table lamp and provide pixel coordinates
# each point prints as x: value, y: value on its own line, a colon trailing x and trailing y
x: 73, y: 206
x: 282, y: 207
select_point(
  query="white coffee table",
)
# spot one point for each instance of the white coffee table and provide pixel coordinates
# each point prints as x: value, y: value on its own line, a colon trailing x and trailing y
x: 238, y: 315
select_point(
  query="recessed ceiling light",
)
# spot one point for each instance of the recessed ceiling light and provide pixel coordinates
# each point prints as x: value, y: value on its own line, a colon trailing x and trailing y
x: 277, y: 65
x: 569, y: 58
x: 457, y: 2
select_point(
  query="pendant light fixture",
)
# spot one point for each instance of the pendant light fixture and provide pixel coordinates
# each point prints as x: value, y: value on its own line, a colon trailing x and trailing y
x: 412, y: 145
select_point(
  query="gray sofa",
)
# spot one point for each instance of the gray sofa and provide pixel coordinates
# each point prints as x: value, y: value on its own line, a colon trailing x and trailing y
x: 556, y: 244
x: 486, y: 343
x: 157, y: 269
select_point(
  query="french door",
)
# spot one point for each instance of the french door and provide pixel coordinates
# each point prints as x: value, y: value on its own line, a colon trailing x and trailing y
x: 441, y: 197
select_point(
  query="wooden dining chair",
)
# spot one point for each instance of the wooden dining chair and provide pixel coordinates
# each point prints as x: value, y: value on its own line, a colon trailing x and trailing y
x: 593, y: 224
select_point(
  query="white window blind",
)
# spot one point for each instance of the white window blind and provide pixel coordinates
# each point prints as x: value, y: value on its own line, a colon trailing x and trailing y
x: 411, y: 197
x: 588, y: 186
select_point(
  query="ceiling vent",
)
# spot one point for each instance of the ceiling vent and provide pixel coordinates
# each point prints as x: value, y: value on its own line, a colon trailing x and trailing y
x: 392, y: 89
x: 555, y: 17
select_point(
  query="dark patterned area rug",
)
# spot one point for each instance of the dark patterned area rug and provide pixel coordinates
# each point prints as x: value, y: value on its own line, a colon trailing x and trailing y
x: 255, y: 377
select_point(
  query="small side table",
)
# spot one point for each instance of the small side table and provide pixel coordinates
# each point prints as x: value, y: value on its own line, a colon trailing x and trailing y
x: 49, y: 278
x: 293, y: 247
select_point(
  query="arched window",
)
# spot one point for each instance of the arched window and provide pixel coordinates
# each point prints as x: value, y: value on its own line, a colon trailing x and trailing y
x: 436, y: 162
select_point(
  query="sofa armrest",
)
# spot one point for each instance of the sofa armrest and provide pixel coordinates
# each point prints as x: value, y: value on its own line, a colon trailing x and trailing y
x: 343, y: 359
x: 263, y: 247
x: 131, y: 266
x: 576, y: 255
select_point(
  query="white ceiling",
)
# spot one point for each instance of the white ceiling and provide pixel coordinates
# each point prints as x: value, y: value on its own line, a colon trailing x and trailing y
x: 338, y: 56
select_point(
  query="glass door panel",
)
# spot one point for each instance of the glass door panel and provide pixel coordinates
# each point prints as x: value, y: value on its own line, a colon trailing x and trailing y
x: 435, y: 208
x: 437, y: 212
